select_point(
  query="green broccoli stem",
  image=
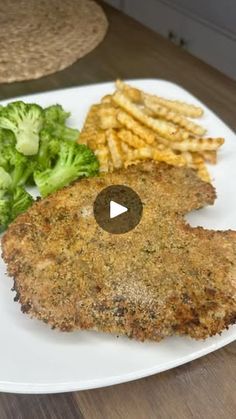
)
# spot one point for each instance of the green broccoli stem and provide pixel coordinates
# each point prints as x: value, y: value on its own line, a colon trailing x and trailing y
x: 27, y: 140
x: 21, y: 174
x: 68, y: 134
x: 13, y: 203
x: 48, y: 149
x: 52, y: 180
x: 5, y: 179
x: 4, y: 215
x: 5, y: 209
x: 21, y: 201
x: 43, y: 156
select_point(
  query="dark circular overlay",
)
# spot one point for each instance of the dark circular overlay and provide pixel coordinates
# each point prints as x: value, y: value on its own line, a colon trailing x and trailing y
x: 124, y: 196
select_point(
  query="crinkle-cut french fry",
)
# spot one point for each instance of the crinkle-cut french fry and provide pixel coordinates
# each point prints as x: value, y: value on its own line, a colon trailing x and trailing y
x: 138, y: 96
x: 193, y: 159
x: 199, y: 165
x: 92, y: 117
x: 166, y: 156
x: 126, y: 149
x: 196, y: 161
x: 202, y: 144
x: 131, y: 139
x: 91, y: 133
x: 142, y: 153
x: 161, y: 127
x: 85, y: 136
x: 182, y: 108
x: 114, y: 148
x: 102, y: 154
x: 174, y: 117
x: 108, y: 117
x: 194, y: 145
x: 83, y: 139
x: 107, y: 99
x: 196, y: 157
x: 203, y: 172
x: 169, y: 157
x: 210, y: 156
x: 161, y: 146
x: 188, y: 157
x: 133, y: 93
x: 96, y: 139
x: 93, y: 138
x: 126, y: 153
x: 106, y: 109
x: 131, y: 124
x: 90, y: 126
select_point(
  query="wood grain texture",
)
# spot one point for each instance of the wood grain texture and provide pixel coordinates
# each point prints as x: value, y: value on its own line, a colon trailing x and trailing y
x: 205, y: 388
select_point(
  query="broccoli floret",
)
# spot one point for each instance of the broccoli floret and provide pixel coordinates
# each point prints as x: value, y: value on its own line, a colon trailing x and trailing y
x: 55, y: 123
x: 5, y: 209
x: 5, y: 179
x: 65, y: 133
x: 7, y: 138
x: 13, y: 203
x: 4, y: 160
x: 55, y: 114
x: 25, y: 120
x: 13, y: 198
x: 48, y: 149
x: 21, y: 167
x: 5, y: 199
x: 16, y: 164
x: 74, y: 161
x: 21, y: 201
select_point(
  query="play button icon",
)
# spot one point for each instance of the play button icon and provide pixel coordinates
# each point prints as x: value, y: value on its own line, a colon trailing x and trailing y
x: 117, y: 209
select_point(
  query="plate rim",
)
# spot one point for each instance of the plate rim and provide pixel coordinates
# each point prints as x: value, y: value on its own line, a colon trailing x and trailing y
x: 65, y: 387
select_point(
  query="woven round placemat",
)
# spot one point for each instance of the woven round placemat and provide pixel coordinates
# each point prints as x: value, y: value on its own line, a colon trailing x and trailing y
x: 40, y: 37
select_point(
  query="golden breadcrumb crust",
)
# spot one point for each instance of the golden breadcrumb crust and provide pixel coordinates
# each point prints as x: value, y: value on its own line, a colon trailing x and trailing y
x: 160, y: 279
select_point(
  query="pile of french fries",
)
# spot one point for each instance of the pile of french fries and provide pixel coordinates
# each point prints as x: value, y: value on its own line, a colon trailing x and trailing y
x: 130, y: 126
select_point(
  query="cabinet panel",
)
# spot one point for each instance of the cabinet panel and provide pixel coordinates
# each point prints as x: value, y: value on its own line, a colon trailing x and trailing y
x: 182, y: 21
x: 199, y: 37
x: 155, y: 15
x: 221, y: 14
x: 211, y: 46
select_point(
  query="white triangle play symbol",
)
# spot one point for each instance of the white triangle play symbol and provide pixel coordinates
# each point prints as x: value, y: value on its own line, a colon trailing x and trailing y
x: 116, y: 209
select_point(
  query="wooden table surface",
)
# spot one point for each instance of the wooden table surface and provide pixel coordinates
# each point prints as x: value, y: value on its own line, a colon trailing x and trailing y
x: 205, y: 388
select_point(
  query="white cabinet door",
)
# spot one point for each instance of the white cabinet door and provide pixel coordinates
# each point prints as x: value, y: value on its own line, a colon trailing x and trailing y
x: 200, y: 37
x: 183, y: 23
x: 211, y: 46
x: 219, y: 13
x: 156, y: 16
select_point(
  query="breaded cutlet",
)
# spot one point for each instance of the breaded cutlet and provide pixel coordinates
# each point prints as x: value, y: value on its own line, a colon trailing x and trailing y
x: 162, y: 278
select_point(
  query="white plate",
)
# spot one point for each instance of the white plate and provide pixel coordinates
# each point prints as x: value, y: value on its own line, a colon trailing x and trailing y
x: 36, y: 359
